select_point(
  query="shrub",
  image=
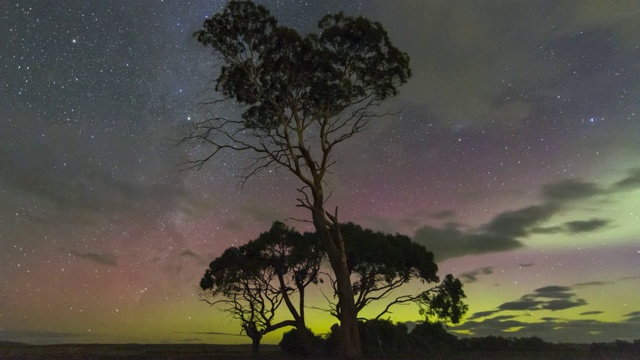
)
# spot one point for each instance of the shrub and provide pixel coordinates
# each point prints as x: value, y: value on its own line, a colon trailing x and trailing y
x: 293, y: 343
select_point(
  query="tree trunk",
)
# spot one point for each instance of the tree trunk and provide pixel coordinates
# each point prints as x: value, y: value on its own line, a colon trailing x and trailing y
x: 255, y: 345
x: 304, y: 336
x: 251, y: 330
x: 349, y: 339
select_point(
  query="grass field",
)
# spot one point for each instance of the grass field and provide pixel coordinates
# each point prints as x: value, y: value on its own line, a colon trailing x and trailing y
x: 268, y: 352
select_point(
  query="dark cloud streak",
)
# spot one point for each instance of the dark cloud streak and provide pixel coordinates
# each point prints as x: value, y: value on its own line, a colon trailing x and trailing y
x: 103, y: 259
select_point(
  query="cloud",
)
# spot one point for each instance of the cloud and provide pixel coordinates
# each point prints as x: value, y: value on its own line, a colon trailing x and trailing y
x: 45, y: 337
x: 593, y: 283
x: 552, y: 329
x: 563, y: 304
x: 522, y: 304
x: 500, y: 234
x: 443, y: 214
x: 517, y: 223
x: 506, y: 230
x: 574, y: 227
x: 450, y: 242
x: 481, y: 314
x: 630, y: 182
x: 546, y: 298
x: 570, y: 189
x: 551, y: 297
x: 553, y: 291
x: 103, y: 259
x: 596, y: 312
x: 189, y: 253
x: 201, y: 260
x: 472, y: 276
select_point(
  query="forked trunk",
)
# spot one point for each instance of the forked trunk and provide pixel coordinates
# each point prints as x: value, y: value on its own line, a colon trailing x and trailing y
x: 255, y: 345
x: 252, y: 331
x: 349, y: 339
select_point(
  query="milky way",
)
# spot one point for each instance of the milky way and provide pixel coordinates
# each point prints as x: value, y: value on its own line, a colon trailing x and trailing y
x: 512, y: 154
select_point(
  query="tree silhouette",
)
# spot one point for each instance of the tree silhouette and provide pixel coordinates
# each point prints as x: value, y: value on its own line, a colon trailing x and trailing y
x: 381, y: 263
x: 300, y: 97
x: 253, y: 281
x: 445, y: 302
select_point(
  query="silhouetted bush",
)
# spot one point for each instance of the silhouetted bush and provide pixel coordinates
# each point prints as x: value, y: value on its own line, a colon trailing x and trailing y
x: 431, y: 336
x: 529, y: 344
x: 619, y: 346
x: 292, y: 343
x: 488, y: 343
x: 383, y: 338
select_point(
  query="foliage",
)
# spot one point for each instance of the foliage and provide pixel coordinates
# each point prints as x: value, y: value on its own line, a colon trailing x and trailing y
x: 252, y: 281
x: 293, y: 342
x: 429, y: 336
x: 381, y: 263
x: 300, y: 96
x: 445, y: 302
x: 498, y: 343
x: 618, y: 346
x: 383, y: 339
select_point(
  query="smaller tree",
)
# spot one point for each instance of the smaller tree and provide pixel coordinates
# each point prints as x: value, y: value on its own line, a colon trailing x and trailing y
x: 252, y: 281
x: 444, y: 301
x: 381, y: 263
x: 243, y: 288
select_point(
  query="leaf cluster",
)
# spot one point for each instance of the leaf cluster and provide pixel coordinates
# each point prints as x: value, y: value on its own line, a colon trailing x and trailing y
x: 445, y: 302
x: 253, y: 280
x: 279, y: 251
x: 380, y: 263
x: 274, y: 71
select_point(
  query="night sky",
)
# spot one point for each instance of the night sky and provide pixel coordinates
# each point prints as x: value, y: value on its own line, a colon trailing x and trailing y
x: 514, y: 156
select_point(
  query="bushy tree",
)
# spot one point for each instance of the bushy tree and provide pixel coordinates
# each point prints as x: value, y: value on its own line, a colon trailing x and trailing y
x: 429, y: 336
x: 253, y: 281
x: 381, y: 263
x: 300, y: 97
x: 444, y: 301
x: 296, y: 342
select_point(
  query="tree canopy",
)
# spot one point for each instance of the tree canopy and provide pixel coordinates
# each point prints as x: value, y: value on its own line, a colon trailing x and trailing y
x: 381, y: 263
x: 254, y: 280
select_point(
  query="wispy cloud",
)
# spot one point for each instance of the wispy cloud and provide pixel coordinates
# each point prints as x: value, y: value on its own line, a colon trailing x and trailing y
x: 632, y: 181
x: 552, y: 329
x: 596, y: 312
x: 472, y: 276
x: 571, y: 189
x: 507, y: 230
x: 44, y: 337
x: 450, y: 242
x: 443, y: 214
x: 103, y: 259
x: 553, y: 298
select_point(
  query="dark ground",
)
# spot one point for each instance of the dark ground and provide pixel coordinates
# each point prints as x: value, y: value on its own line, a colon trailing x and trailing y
x: 268, y: 352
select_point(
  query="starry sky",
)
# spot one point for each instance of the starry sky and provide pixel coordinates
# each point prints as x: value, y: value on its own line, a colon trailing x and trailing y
x: 513, y: 156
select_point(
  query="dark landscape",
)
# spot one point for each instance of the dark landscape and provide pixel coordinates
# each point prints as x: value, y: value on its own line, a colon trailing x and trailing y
x: 13, y: 350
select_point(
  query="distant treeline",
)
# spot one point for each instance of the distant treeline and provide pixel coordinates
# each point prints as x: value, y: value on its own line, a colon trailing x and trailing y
x: 383, y: 339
